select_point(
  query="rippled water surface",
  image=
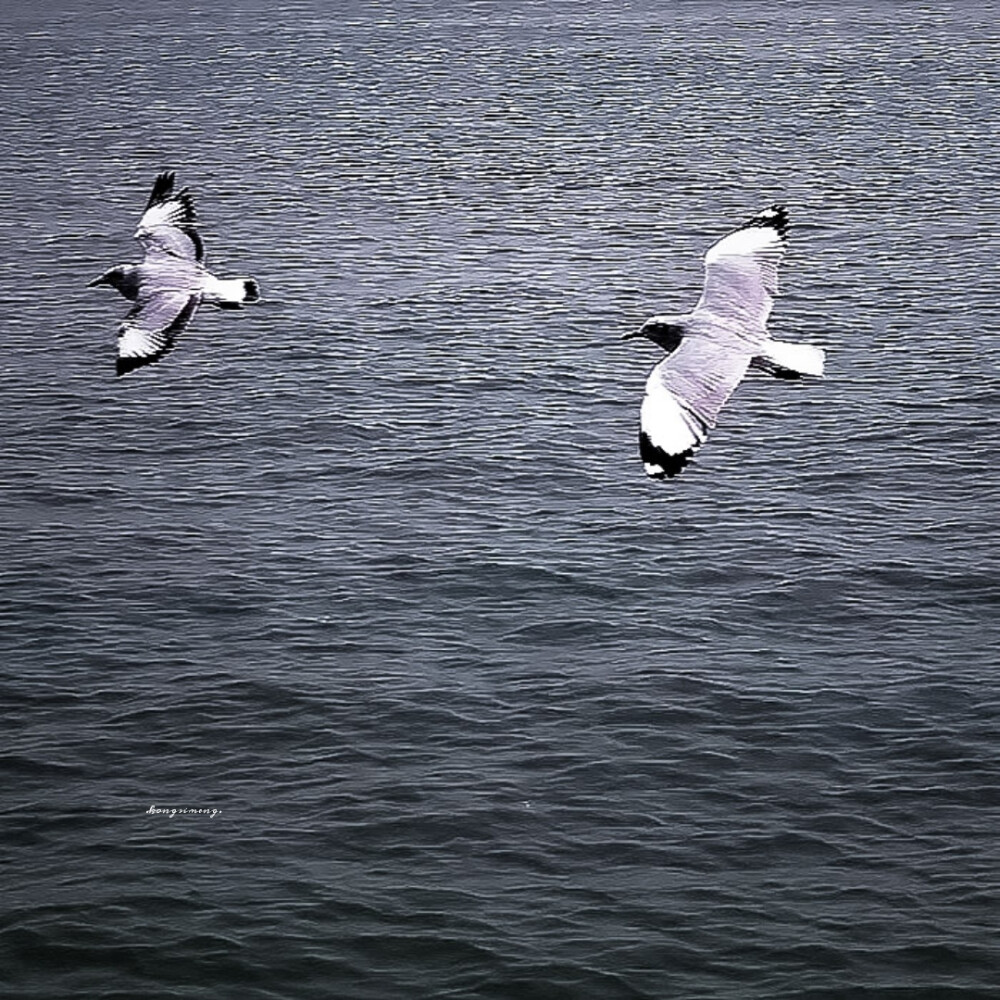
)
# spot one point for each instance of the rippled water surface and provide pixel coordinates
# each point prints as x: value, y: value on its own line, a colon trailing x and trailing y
x: 371, y: 571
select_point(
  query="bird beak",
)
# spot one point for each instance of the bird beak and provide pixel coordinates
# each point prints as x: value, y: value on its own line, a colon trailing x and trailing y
x: 102, y: 280
x: 632, y: 335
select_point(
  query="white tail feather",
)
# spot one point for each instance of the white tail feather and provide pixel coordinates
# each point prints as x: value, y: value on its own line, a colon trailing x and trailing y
x: 230, y: 293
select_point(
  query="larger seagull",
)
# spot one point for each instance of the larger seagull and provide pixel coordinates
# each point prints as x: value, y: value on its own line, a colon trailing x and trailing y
x: 172, y: 280
x: 710, y: 349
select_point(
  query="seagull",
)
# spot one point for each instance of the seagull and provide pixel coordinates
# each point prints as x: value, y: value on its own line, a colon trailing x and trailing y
x: 172, y: 280
x: 710, y: 349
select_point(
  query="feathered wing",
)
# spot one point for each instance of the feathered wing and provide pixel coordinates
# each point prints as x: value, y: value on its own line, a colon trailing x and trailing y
x: 168, y: 225
x: 165, y: 242
x: 166, y: 207
x: 741, y: 270
x: 684, y: 394
x: 149, y: 330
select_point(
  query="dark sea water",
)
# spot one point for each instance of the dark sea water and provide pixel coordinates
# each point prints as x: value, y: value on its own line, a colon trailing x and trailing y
x: 370, y: 574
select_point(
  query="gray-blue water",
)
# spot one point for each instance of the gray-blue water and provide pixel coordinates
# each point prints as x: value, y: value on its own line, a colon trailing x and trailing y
x: 372, y: 569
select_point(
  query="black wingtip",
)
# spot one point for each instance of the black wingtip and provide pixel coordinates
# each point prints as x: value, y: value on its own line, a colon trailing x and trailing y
x: 654, y: 457
x: 163, y: 187
x: 773, y: 217
x: 163, y: 191
x: 125, y: 365
x: 185, y: 197
x: 251, y: 290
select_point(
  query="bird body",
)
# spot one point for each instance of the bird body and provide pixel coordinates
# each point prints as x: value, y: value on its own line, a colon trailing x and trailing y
x: 710, y: 349
x: 172, y: 280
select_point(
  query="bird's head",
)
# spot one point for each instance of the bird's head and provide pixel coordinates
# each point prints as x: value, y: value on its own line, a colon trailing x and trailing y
x: 115, y: 278
x: 667, y: 331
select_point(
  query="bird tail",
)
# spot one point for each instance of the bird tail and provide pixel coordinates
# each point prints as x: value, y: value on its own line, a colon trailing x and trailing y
x: 784, y: 360
x: 231, y: 293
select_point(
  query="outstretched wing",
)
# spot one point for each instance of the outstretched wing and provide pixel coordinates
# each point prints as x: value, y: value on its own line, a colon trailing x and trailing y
x: 684, y: 394
x: 149, y: 330
x: 168, y: 225
x: 741, y: 270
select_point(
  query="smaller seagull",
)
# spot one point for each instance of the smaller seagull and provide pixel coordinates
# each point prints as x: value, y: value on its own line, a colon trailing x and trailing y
x: 710, y: 349
x: 172, y: 280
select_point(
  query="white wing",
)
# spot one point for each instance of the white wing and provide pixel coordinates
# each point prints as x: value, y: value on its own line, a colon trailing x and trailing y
x: 167, y: 226
x: 151, y: 326
x: 684, y: 394
x: 741, y: 271
x: 162, y: 242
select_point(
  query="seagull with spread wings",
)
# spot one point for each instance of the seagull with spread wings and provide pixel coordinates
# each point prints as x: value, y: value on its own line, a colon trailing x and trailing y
x: 172, y: 280
x: 710, y: 349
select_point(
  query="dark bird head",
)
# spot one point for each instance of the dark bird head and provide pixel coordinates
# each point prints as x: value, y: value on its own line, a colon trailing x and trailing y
x: 115, y: 278
x: 124, y: 278
x: 667, y: 331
